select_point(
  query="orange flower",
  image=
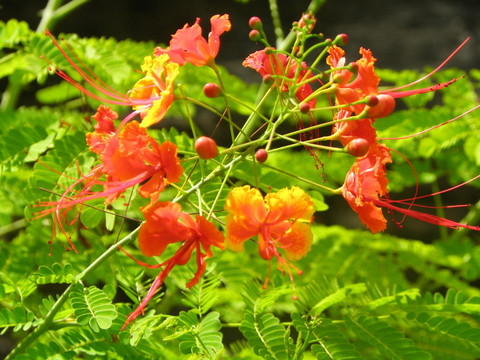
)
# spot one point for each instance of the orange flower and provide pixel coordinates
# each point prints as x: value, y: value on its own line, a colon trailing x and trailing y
x: 365, y: 190
x: 132, y: 157
x: 366, y: 81
x: 188, y: 45
x: 128, y: 157
x: 151, y: 96
x: 165, y: 223
x: 285, y: 69
x: 155, y: 89
x: 365, y: 182
x: 280, y: 220
x: 364, y: 84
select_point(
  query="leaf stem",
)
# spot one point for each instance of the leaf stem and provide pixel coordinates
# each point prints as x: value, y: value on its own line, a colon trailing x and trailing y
x: 47, y: 322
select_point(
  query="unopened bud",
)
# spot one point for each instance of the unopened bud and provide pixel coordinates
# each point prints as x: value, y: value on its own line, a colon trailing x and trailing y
x: 211, y: 90
x: 268, y: 50
x: 261, y: 155
x: 341, y: 40
x: 353, y: 67
x: 254, y: 35
x: 255, y: 23
x: 385, y: 106
x: 206, y: 147
x: 372, y: 100
x: 267, y: 79
x: 304, y: 108
x: 358, y: 147
x: 307, y: 21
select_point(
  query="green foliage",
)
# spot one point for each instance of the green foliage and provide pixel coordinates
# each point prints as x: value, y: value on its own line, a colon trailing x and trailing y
x: 92, y: 306
x: 402, y: 294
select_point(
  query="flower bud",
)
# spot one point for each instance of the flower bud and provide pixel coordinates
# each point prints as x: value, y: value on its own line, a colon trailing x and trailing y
x: 206, y: 147
x: 358, y: 147
x: 304, y: 108
x: 255, y: 23
x: 341, y: 39
x: 353, y: 67
x: 267, y: 79
x: 211, y: 90
x: 254, y: 35
x: 385, y: 106
x: 372, y: 100
x: 307, y: 21
x: 261, y: 155
x: 268, y: 50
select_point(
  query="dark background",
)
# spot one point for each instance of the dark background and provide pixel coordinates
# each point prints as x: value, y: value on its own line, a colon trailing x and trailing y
x: 401, y: 33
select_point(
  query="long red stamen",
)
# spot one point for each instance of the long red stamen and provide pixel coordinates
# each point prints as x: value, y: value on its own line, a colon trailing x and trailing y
x: 429, y: 74
x: 433, y: 127
x: 169, y: 264
x: 400, y: 94
x: 113, y: 96
x: 432, y: 219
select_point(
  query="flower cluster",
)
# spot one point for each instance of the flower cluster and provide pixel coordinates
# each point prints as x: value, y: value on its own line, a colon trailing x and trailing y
x: 129, y: 157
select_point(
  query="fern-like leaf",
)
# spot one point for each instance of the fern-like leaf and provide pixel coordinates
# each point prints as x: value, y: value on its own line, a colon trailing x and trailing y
x: 92, y: 306
x: 385, y: 338
x: 200, y: 337
x: 266, y: 335
x: 204, y: 295
x: 328, y: 342
x: 17, y: 318
x: 54, y: 274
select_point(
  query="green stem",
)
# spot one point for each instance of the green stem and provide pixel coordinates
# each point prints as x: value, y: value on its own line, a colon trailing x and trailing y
x: 277, y: 23
x: 313, y: 7
x: 14, y: 226
x: 50, y: 14
x: 47, y: 322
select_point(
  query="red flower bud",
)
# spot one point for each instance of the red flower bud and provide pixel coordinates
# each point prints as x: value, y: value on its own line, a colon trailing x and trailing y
x: 255, y: 23
x: 254, y: 35
x: 358, y: 147
x: 206, y: 147
x: 261, y: 155
x: 341, y: 39
x: 304, y: 108
x: 267, y: 79
x: 212, y: 90
x: 372, y: 100
x: 353, y: 67
x: 385, y: 106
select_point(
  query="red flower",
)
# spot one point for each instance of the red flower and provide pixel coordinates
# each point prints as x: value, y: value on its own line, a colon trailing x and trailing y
x: 280, y: 220
x: 366, y: 182
x: 165, y: 224
x: 365, y: 83
x: 284, y: 71
x: 188, y: 45
x: 128, y: 158
x: 365, y: 190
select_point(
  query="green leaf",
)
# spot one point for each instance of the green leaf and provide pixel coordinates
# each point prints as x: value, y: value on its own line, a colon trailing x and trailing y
x: 385, y: 338
x: 266, y: 335
x: 92, y: 306
x: 200, y: 337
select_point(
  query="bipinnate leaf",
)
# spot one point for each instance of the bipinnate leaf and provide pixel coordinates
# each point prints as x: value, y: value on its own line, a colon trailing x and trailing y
x: 266, y: 335
x: 386, y: 339
x: 92, y: 306
x: 326, y: 339
x: 200, y: 336
x: 57, y: 273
